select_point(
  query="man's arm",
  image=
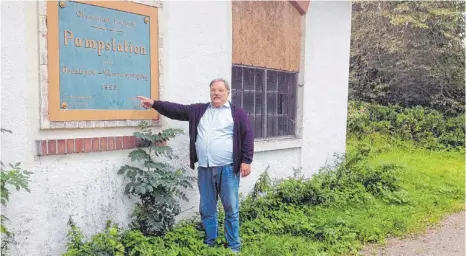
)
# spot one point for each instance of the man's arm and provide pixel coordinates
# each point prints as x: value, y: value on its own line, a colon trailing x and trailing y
x: 172, y: 110
x: 169, y: 109
x: 248, y: 140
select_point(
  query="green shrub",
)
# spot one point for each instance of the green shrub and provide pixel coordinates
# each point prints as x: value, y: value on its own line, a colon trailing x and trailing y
x: 426, y: 127
x: 353, y: 180
x: 11, y: 176
x: 184, y: 239
x: 105, y: 243
x: 156, y: 184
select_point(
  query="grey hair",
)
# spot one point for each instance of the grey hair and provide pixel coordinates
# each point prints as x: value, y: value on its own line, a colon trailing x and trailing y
x: 220, y: 80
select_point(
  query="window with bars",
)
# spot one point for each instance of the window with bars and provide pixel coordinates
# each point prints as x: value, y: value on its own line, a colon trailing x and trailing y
x: 268, y: 97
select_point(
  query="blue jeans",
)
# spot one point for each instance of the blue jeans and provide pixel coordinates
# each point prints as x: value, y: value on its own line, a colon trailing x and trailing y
x: 224, y: 182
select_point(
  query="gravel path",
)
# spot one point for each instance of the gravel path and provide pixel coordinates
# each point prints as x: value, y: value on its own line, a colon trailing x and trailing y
x: 447, y: 238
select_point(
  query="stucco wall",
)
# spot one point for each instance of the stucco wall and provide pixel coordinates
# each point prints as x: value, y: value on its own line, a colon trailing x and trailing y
x: 327, y: 50
x: 196, y: 47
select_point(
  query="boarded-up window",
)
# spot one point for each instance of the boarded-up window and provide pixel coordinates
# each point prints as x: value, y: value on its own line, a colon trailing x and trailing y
x: 266, y: 58
x: 266, y: 34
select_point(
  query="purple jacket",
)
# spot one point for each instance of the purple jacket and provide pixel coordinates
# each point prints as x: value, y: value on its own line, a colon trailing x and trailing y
x: 243, y: 138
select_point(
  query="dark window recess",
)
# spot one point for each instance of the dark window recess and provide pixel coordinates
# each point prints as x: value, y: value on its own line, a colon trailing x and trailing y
x: 268, y: 97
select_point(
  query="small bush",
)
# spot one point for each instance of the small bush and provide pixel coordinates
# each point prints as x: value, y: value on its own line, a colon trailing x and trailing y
x: 156, y: 184
x: 426, y: 127
x: 184, y: 239
x: 353, y: 180
x: 105, y: 243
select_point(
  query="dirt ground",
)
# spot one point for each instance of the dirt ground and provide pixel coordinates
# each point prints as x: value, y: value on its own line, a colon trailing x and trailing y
x: 445, y: 239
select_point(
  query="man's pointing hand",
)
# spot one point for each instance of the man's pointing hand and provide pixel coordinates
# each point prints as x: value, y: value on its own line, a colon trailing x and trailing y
x: 145, y: 102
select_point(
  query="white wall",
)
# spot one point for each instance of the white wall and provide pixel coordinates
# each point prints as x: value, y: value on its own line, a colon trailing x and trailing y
x: 327, y: 51
x: 196, y: 47
x: 83, y: 185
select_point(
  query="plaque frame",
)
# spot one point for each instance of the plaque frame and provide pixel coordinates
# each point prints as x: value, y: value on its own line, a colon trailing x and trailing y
x: 57, y: 114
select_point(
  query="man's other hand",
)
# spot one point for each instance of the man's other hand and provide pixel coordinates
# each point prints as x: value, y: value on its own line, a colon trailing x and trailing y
x: 146, y: 102
x: 245, y: 169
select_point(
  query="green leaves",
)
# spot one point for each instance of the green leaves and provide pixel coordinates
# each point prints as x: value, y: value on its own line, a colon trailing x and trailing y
x: 145, y: 136
x: 11, y: 176
x: 424, y: 126
x: 105, y: 243
x: 352, y: 181
x: 156, y: 166
x: 409, y: 53
x: 163, y: 151
x: 138, y: 155
x: 155, y: 183
x: 166, y: 135
x: 129, y: 188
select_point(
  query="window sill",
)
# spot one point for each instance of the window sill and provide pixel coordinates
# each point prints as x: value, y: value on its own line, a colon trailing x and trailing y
x: 279, y: 143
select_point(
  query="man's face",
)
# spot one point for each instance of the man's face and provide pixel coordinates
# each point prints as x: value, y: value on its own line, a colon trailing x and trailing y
x: 218, y: 94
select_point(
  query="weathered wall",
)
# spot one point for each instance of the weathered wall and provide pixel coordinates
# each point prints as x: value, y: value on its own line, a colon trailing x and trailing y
x: 196, y: 42
x: 327, y: 49
x: 196, y: 46
x: 82, y: 186
x: 266, y: 34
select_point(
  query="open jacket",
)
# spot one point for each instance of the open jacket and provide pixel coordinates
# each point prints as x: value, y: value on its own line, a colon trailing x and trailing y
x: 243, y: 138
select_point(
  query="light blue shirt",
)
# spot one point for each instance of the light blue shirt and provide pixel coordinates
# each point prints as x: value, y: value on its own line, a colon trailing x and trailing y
x: 214, y: 142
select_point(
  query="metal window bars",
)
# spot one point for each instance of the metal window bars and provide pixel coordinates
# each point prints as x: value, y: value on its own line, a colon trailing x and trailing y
x: 268, y: 97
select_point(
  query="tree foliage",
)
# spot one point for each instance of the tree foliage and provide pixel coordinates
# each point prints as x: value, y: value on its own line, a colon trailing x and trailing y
x: 409, y: 53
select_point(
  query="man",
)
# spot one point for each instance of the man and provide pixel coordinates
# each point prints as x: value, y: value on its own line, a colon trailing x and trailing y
x: 223, y: 144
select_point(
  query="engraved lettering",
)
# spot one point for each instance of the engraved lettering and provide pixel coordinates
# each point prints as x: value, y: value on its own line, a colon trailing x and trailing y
x: 101, y: 47
x: 125, y: 23
x: 109, y: 87
x: 90, y: 43
x: 68, y: 35
x: 78, y: 42
x: 77, y: 71
x: 126, y: 46
x: 90, y: 17
x: 125, y: 75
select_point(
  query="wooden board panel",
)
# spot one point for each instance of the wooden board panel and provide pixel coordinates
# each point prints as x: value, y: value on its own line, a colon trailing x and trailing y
x: 266, y: 34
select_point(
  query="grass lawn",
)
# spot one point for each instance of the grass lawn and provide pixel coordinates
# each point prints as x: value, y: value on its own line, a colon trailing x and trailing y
x: 435, y: 182
x: 434, y: 187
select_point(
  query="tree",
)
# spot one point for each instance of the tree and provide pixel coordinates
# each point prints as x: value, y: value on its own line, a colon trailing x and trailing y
x: 409, y: 53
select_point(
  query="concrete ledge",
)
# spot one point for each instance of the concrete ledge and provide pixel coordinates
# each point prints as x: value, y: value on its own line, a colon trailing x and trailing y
x: 262, y: 145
